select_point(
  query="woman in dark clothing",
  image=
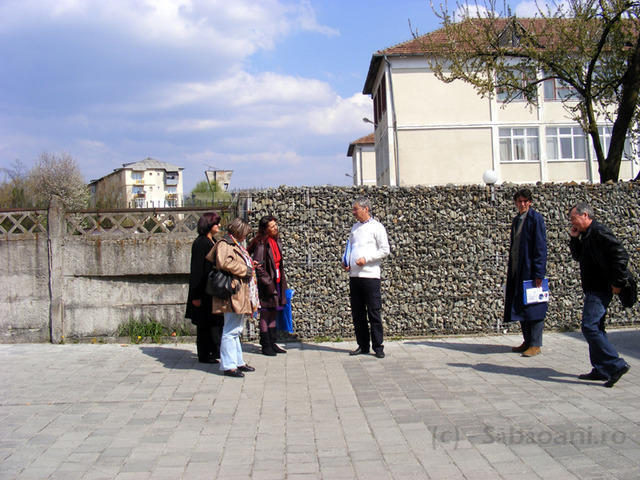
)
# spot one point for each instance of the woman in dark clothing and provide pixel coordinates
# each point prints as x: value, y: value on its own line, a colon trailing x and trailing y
x: 266, y: 250
x: 208, y: 325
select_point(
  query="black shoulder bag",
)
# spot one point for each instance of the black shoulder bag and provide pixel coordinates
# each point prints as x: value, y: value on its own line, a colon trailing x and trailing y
x: 219, y: 284
x: 629, y: 293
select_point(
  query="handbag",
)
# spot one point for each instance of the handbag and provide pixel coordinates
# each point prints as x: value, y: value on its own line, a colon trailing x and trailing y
x: 219, y: 285
x: 629, y: 293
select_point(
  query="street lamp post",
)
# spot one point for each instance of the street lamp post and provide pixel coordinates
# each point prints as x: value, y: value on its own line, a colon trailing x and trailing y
x: 490, y: 178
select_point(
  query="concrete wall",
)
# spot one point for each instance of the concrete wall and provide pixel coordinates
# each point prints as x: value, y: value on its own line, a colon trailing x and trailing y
x: 448, y: 262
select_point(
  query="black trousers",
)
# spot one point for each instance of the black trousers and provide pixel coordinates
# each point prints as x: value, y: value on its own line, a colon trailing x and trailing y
x: 366, y: 301
x: 208, y: 335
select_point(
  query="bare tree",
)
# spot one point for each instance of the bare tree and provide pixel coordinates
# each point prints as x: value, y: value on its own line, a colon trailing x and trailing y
x: 590, y: 46
x: 58, y: 175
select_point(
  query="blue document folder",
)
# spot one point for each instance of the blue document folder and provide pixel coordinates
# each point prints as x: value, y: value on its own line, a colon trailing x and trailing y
x: 346, y: 255
x: 532, y: 294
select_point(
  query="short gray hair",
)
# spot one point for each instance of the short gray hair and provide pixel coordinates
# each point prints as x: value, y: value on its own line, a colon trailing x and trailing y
x: 239, y: 228
x: 364, y: 202
x: 583, y: 207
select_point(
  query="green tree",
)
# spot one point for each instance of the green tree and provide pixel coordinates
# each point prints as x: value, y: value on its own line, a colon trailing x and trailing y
x: 204, y: 192
x: 13, y: 189
x: 591, y: 46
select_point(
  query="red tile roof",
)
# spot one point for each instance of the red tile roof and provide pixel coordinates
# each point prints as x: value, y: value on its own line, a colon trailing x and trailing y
x: 366, y: 140
x: 433, y: 42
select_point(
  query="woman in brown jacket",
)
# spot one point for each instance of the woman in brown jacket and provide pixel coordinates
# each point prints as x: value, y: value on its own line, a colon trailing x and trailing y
x: 230, y: 256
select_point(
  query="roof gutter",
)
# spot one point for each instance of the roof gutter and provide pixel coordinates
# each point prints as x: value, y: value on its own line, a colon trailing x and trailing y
x: 394, y: 122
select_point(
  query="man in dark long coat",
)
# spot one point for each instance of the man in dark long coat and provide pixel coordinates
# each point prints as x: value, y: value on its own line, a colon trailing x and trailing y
x: 527, y: 261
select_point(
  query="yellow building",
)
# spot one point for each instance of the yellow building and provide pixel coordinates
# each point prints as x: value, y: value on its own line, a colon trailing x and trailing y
x: 428, y: 132
x: 145, y: 184
x: 363, y: 155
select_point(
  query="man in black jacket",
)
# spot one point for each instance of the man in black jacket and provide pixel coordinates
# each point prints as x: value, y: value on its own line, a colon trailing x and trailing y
x: 603, y: 270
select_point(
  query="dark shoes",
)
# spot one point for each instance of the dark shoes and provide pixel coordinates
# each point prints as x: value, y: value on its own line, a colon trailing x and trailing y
x: 520, y: 349
x: 358, y: 351
x: 238, y: 371
x: 616, y: 376
x: 593, y: 375
x: 277, y: 349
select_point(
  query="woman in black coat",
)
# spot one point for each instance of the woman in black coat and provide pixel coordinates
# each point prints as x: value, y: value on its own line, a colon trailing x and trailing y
x: 266, y: 250
x: 208, y: 325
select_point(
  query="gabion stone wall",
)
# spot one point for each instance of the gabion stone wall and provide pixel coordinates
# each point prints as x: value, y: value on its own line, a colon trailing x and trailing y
x: 449, y: 248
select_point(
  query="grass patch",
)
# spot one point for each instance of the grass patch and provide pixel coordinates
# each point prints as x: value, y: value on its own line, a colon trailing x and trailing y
x: 324, y: 338
x: 139, y: 331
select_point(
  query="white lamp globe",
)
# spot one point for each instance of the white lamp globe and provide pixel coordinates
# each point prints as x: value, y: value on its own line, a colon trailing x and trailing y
x: 490, y: 177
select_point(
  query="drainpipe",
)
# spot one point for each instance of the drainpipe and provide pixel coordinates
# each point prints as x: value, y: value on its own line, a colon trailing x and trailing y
x: 395, y: 125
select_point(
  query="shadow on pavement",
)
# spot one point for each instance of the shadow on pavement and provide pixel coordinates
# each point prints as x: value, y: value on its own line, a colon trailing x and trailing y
x: 479, y: 348
x: 626, y: 341
x: 179, y: 359
x: 537, y: 373
x: 322, y: 348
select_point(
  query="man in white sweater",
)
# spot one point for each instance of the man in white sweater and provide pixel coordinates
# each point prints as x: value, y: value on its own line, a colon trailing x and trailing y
x: 367, y: 246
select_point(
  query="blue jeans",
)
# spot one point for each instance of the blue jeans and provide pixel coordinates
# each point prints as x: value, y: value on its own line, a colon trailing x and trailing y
x: 532, y: 332
x: 602, y: 354
x: 230, y: 347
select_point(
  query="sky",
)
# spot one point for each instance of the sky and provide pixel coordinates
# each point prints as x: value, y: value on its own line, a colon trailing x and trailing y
x: 271, y: 89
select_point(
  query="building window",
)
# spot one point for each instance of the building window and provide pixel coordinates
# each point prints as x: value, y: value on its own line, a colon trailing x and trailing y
x: 507, y: 94
x: 605, y: 140
x: 136, y: 177
x: 519, y: 144
x: 556, y: 89
x: 172, y: 190
x: 137, y: 190
x: 566, y: 143
x: 380, y: 101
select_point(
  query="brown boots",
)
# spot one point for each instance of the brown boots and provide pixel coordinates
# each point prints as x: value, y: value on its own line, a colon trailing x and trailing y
x: 531, y: 352
x: 526, y: 350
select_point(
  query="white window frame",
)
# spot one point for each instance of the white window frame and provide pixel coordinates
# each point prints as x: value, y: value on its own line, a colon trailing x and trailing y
x: 519, y: 139
x: 559, y: 138
x: 605, y: 141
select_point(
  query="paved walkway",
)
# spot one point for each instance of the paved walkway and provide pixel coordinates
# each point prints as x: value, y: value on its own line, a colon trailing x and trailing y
x: 458, y: 408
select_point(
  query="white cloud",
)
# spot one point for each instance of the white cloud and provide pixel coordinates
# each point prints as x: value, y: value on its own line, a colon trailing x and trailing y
x: 278, y: 157
x: 307, y: 20
x: 274, y: 102
x: 527, y: 9
x: 239, y: 26
x: 343, y: 115
x: 469, y: 11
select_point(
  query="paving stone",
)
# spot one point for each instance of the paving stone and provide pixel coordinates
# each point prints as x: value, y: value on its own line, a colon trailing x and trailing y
x: 436, y: 408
